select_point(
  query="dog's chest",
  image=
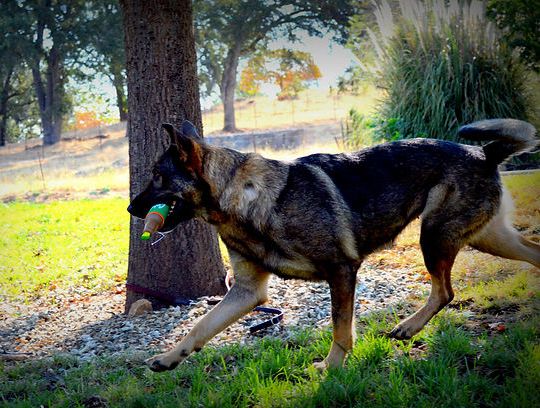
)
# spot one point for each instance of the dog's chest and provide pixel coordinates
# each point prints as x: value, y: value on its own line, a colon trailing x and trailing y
x: 267, y: 251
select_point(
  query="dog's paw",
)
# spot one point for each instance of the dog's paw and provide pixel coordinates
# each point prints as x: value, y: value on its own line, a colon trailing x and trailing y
x: 161, y: 363
x: 320, y: 366
x: 402, y: 332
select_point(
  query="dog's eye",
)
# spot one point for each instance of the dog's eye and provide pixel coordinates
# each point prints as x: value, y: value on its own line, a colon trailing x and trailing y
x: 157, y: 178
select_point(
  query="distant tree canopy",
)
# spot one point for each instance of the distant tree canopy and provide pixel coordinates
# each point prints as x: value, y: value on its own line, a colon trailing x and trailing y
x: 44, y: 43
x: 15, y: 84
x: 55, y: 33
x: 290, y: 70
x: 107, y: 52
x: 56, y: 41
x: 227, y: 30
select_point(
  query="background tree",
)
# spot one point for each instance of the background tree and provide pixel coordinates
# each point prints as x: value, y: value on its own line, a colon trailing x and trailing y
x: 52, y: 42
x: 19, y: 115
x: 163, y: 87
x: 355, y: 77
x: 227, y: 30
x: 6, y: 93
x: 13, y: 71
x: 290, y: 70
x: 520, y: 22
x: 54, y: 32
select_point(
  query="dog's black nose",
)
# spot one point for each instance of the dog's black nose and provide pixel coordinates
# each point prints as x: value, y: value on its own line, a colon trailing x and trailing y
x: 130, y: 209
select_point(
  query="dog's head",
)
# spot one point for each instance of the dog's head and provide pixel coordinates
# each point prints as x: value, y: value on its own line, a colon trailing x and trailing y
x: 177, y: 178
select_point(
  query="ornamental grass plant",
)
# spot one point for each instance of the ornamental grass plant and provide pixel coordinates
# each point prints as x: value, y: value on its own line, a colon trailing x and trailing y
x: 442, y: 64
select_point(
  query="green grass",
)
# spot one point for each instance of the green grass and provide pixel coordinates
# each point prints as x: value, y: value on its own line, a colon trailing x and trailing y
x: 447, y: 366
x: 64, y: 243
x: 517, y: 290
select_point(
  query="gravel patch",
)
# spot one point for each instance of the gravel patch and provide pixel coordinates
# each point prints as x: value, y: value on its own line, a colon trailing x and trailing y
x: 85, y: 325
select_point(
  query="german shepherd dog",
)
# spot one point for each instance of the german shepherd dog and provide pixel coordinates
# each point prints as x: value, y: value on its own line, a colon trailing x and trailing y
x: 318, y: 216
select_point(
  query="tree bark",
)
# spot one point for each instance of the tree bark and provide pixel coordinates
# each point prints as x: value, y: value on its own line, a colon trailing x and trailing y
x: 228, y: 88
x: 163, y: 87
x: 4, y: 98
x: 3, y: 124
x: 118, y: 83
x: 49, y: 96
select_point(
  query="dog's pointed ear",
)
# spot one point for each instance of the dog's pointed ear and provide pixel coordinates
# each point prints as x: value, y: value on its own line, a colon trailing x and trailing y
x: 188, y: 129
x: 190, y: 152
x: 171, y: 131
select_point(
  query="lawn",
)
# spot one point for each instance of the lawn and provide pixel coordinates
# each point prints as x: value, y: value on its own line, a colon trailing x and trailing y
x: 482, y: 351
x: 445, y: 366
x: 62, y: 243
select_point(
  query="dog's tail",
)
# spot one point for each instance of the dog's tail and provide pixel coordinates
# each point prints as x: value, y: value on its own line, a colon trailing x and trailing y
x: 510, y: 136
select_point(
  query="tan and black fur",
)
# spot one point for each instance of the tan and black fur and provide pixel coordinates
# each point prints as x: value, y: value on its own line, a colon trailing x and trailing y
x: 317, y: 217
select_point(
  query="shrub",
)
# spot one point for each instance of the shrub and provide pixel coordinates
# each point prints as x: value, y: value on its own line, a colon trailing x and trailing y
x: 442, y: 64
x: 357, y: 131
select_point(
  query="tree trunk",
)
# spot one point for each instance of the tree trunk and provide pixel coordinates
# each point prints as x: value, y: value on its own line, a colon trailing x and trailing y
x: 118, y: 83
x: 4, y: 98
x: 3, y: 130
x: 228, y: 88
x: 50, y: 96
x: 3, y: 123
x: 121, y: 103
x: 163, y: 87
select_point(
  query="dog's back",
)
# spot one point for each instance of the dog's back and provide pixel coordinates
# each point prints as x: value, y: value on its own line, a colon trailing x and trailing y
x: 389, y: 185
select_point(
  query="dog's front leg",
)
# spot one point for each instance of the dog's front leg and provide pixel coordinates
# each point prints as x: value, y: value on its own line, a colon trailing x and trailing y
x: 342, y: 288
x: 248, y: 291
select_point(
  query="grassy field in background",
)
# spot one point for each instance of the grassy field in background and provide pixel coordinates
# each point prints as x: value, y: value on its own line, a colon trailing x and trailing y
x: 62, y: 243
x: 84, y: 166
x: 312, y: 107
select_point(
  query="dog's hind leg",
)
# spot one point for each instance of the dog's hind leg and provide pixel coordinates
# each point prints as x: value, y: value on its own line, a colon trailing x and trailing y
x: 342, y: 289
x: 500, y: 238
x: 248, y: 291
x: 439, y: 255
